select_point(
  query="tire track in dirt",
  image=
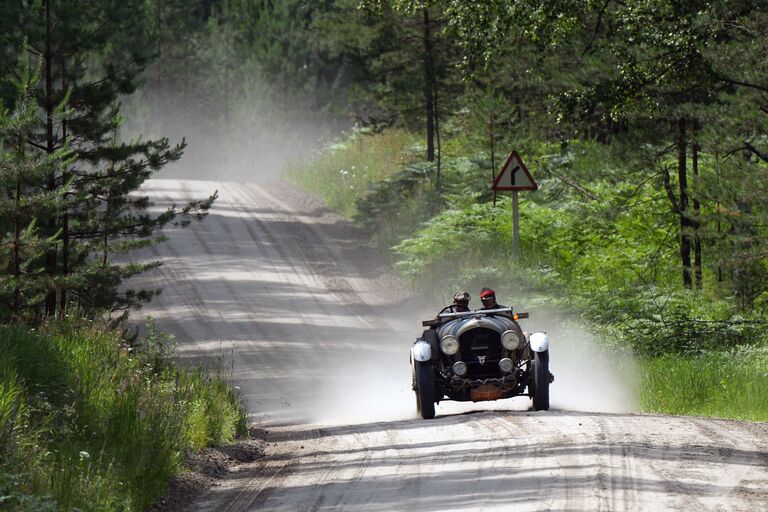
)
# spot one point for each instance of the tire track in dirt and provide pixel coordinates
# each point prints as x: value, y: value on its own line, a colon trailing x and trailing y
x: 323, y: 261
x: 279, y: 284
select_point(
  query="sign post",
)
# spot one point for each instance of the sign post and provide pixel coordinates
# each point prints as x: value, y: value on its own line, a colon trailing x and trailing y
x: 515, y: 226
x: 514, y: 176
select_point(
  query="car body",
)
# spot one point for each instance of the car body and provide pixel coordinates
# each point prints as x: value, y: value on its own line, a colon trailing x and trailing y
x: 477, y: 356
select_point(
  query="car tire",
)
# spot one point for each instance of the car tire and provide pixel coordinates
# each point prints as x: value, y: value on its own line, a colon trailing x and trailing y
x: 540, y: 380
x: 425, y: 390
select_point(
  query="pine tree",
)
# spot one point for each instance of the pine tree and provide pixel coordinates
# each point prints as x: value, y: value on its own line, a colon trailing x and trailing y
x: 90, y: 53
x: 23, y: 282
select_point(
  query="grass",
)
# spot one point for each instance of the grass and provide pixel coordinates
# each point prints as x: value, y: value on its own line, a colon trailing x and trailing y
x: 86, y: 423
x: 342, y: 172
x: 720, y: 384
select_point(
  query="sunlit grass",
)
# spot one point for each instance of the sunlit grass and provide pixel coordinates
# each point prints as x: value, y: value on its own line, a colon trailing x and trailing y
x: 342, y: 172
x: 721, y: 384
x: 87, y: 424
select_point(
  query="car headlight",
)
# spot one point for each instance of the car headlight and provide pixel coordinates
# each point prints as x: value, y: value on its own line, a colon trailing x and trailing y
x: 506, y: 365
x: 510, y: 340
x: 459, y: 368
x: 449, y: 345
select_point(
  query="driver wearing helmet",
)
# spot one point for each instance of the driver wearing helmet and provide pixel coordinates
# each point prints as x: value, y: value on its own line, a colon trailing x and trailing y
x: 460, y: 302
x: 488, y: 298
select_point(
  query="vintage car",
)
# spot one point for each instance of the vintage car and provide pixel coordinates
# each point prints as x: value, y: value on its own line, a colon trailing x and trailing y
x: 479, y: 355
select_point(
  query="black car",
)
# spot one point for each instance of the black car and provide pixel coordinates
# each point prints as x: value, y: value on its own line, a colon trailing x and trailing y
x: 479, y: 355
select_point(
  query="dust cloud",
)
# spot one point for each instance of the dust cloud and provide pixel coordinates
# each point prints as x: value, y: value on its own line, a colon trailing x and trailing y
x: 373, y: 383
x: 366, y: 386
x: 588, y: 375
x: 248, y: 140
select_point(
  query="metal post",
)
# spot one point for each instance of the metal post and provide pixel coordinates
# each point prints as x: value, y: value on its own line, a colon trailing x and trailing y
x: 515, y: 227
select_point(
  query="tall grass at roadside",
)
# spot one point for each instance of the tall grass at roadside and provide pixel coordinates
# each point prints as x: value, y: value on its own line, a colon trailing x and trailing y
x: 86, y: 423
x: 723, y: 384
x: 342, y: 172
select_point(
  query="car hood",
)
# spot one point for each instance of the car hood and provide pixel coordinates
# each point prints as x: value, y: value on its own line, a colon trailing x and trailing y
x: 461, y: 325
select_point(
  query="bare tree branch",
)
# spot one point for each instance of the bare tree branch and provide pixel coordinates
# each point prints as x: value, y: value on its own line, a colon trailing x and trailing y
x: 670, y: 191
x: 586, y: 193
x: 762, y: 155
x: 597, y: 28
x: 743, y: 84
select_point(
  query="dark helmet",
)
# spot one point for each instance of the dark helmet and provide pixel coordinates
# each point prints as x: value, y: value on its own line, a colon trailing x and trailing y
x: 461, y: 297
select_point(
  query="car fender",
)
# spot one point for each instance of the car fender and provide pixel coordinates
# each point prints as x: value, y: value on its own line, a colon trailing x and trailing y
x: 420, y: 351
x: 539, y: 341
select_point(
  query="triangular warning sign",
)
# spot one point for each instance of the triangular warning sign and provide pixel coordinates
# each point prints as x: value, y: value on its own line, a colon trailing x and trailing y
x: 514, y: 175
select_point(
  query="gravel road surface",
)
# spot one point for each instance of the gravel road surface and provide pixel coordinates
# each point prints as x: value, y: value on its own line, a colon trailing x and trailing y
x: 316, y: 334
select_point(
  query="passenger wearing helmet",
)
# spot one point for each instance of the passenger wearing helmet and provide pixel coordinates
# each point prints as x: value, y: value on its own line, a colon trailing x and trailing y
x: 460, y: 302
x: 488, y: 298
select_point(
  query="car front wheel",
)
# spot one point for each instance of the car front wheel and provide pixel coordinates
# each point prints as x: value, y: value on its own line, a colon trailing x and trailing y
x: 425, y: 390
x: 540, y: 378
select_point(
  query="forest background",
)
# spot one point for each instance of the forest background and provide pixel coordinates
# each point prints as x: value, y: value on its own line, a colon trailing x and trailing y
x: 645, y: 123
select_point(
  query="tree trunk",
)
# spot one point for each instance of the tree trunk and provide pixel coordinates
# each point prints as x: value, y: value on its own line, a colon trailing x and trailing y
x: 50, y: 255
x: 437, y: 138
x: 105, y: 239
x: 16, y: 245
x: 685, y: 237
x: 65, y: 219
x: 492, y: 130
x: 696, y: 210
x: 428, y: 87
x: 719, y: 224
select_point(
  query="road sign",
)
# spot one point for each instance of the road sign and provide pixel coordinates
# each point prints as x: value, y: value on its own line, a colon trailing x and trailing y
x: 514, y: 175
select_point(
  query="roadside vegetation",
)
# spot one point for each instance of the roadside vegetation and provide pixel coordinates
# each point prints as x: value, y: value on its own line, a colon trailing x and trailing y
x: 342, y: 172
x: 644, y: 124
x: 89, y: 422
x: 607, y: 257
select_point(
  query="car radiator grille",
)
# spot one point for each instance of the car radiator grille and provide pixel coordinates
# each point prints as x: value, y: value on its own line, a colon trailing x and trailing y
x: 481, y: 349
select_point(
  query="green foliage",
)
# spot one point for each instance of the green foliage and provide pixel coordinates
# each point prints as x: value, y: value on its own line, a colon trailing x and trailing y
x: 89, y: 424
x: 453, y: 240
x: 607, y: 254
x: 396, y: 205
x: 22, y: 242
x: 210, y: 419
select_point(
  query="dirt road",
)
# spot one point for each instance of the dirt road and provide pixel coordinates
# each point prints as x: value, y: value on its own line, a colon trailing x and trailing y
x: 317, y: 337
